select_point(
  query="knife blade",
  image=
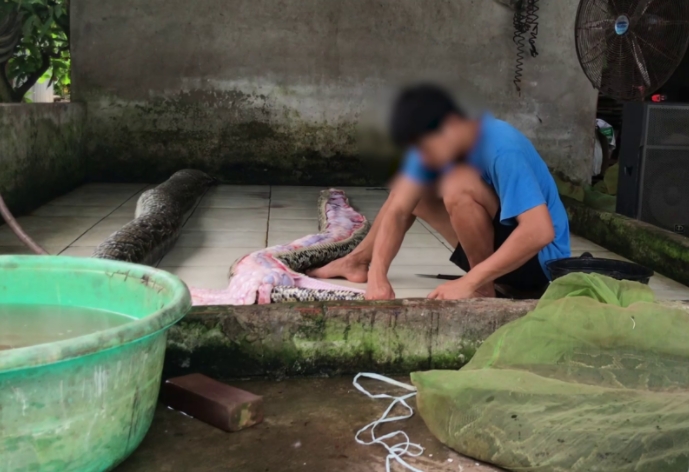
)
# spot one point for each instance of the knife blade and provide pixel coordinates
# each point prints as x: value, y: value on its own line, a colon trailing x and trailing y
x: 440, y: 276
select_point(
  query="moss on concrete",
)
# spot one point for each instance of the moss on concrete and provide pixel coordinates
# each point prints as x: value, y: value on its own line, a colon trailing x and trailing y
x: 239, y: 138
x: 334, y: 338
x: 648, y: 245
x: 40, y: 152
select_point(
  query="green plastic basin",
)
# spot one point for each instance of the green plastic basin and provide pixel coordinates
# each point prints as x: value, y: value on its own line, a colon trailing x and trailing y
x: 84, y: 404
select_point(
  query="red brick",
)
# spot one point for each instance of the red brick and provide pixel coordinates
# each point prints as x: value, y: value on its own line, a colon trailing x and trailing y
x: 213, y: 402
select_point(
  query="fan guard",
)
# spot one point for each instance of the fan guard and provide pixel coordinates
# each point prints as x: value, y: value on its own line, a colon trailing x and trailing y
x: 630, y: 48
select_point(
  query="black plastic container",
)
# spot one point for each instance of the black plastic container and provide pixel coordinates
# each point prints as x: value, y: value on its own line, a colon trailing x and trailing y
x: 588, y: 264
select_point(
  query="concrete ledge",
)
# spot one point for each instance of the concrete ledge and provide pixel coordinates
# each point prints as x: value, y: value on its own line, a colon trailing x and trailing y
x: 40, y: 152
x: 337, y: 337
x: 334, y: 337
x: 645, y: 244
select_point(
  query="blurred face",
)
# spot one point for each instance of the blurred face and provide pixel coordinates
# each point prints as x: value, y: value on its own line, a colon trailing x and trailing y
x: 450, y: 142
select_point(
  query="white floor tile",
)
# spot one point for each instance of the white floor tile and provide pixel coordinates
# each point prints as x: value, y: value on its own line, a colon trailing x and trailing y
x: 421, y: 240
x: 228, y: 239
x: 83, y: 211
x: 241, y: 202
x: 215, y: 219
x: 276, y: 238
x: 23, y: 250
x: 412, y: 293
x: 309, y: 226
x: 78, y: 251
x: 423, y: 256
x: 93, y: 237
x: 294, y: 213
x: 213, y: 278
x: 48, y: 231
x: 205, y: 257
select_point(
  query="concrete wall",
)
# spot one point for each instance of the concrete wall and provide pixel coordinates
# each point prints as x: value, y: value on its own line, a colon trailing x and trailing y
x: 277, y: 91
x: 40, y: 152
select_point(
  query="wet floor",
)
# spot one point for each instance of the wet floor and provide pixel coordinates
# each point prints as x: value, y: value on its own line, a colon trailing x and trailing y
x: 309, y: 427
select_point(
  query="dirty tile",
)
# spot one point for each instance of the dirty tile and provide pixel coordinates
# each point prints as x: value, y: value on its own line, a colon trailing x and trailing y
x: 580, y: 245
x: 229, y: 201
x: 222, y: 219
x: 294, y: 213
x: 190, y: 238
x: 276, y: 238
x: 232, y: 214
x: 205, y: 257
x: 106, y: 198
x: 418, y: 228
x: 421, y: 240
x: 112, y: 223
x: 412, y: 293
x: 78, y: 251
x: 93, y: 237
x: 425, y: 256
x: 408, y: 277
x: 305, y: 226
x: 213, y: 278
x: 83, y: 211
x: 96, y: 187
x: 23, y: 250
x: 126, y: 210
x: 668, y: 289
x: 48, y: 231
x: 240, y: 189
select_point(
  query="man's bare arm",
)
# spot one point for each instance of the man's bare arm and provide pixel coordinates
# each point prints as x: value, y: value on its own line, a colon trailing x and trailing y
x: 404, y: 197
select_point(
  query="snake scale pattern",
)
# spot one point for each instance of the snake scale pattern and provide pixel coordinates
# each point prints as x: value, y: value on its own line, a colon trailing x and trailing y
x: 159, y: 217
x: 272, y: 275
x: 276, y: 274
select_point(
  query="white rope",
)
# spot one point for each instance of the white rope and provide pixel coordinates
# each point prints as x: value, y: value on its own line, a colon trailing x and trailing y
x: 406, y: 447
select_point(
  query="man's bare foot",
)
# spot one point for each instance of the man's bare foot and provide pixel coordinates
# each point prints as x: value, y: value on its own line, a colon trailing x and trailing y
x: 347, y: 267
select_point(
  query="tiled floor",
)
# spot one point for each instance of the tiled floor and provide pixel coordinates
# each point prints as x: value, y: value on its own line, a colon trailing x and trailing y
x: 231, y: 221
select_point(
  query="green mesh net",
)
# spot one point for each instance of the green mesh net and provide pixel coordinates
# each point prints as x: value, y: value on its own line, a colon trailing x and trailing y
x: 595, y: 379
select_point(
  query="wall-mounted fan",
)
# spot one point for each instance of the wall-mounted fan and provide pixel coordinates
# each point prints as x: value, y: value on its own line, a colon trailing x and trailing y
x: 630, y: 48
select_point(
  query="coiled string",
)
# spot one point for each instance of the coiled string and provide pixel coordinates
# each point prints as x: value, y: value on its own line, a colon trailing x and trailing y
x: 525, y: 21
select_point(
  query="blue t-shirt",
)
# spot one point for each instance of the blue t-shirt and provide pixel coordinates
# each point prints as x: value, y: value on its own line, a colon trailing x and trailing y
x: 510, y: 164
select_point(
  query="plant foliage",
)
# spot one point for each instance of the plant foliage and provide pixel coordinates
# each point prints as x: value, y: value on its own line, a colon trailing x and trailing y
x: 41, y: 51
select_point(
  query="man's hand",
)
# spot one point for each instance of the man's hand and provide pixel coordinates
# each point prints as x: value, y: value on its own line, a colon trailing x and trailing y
x: 379, y: 290
x: 456, y: 290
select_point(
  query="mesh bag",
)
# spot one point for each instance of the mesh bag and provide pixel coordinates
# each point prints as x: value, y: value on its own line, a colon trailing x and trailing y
x: 595, y: 379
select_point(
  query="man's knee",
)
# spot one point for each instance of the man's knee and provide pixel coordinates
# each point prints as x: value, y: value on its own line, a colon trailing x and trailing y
x: 460, y: 187
x: 463, y: 187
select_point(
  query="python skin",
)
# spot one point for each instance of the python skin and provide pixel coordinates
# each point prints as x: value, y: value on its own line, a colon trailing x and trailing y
x: 158, y: 220
x: 276, y: 274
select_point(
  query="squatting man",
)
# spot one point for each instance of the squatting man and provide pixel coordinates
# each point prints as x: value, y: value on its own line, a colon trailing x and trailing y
x: 481, y: 184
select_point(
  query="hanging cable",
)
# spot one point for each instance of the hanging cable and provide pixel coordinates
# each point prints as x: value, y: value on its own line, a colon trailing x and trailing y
x: 532, y: 24
x: 520, y: 41
x: 525, y: 22
x: 18, y: 231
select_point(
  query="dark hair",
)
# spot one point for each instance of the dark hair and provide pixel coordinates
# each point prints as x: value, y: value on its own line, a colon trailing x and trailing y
x: 420, y: 110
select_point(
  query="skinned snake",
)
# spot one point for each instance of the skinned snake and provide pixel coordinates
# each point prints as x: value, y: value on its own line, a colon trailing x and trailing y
x: 272, y: 275
x: 275, y: 274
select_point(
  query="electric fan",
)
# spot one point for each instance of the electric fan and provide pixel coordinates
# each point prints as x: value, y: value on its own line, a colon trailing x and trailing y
x: 630, y: 48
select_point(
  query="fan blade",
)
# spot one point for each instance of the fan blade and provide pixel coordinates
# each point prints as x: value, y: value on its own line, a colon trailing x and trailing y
x: 658, y: 50
x: 615, y: 10
x: 599, y: 24
x: 640, y: 9
x: 640, y: 60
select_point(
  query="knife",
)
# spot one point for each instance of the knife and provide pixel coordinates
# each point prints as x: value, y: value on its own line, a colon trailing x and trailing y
x: 440, y: 277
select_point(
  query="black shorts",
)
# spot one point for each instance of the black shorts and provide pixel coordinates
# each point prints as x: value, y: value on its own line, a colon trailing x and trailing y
x: 529, y: 277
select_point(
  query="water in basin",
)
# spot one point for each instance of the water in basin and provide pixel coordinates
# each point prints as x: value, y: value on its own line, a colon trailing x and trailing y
x: 29, y: 325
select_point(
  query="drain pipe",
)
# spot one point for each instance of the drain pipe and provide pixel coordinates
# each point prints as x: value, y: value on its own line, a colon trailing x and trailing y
x: 18, y: 231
